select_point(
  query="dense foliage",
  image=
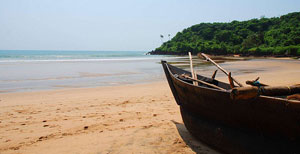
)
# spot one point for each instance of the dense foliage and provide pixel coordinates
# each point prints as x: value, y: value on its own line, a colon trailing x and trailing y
x: 264, y: 36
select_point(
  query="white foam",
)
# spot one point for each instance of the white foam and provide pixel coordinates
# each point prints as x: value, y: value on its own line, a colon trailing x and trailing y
x: 83, y: 60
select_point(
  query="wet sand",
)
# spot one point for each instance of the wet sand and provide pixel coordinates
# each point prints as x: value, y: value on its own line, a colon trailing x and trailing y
x: 141, y: 118
x: 274, y: 72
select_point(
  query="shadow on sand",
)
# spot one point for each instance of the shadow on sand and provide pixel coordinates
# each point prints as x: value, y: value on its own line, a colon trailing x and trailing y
x: 193, y: 143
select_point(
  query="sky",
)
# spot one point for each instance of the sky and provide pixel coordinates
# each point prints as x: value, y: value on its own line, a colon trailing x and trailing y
x: 118, y: 25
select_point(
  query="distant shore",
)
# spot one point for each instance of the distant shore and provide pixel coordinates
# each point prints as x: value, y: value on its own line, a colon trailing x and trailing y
x: 226, y: 55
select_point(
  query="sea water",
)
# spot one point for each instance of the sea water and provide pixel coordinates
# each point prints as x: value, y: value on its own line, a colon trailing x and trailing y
x: 30, y: 70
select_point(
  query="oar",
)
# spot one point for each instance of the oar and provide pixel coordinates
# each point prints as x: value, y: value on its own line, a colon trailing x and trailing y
x: 219, y: 67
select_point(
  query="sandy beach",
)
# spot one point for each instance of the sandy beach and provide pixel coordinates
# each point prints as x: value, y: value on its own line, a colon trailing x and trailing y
x: 140, y: 118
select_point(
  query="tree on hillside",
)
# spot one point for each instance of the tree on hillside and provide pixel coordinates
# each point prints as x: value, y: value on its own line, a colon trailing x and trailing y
x: 162, y: 37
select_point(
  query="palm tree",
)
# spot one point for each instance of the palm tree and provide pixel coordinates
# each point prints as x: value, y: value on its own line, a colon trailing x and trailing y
x: 169, y: 37
x: 162, y: 37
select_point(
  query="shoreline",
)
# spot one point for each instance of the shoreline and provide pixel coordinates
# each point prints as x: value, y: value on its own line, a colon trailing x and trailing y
x: 92, y: 75
x: 67, y: 87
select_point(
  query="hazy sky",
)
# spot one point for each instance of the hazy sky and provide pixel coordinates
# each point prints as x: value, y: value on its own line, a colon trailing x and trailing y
x: 118, y: 24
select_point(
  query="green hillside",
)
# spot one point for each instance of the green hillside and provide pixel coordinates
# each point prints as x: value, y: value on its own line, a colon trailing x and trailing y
x: 259, y: 37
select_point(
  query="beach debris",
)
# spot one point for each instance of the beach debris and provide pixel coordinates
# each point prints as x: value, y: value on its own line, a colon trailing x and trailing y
x: 45, y: 125
x: 121, y: 120
x: 44, y: 120
x: 85, y: 127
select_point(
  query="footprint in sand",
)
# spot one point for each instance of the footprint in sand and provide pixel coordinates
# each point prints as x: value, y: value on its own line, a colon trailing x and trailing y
x: 147, y: 126
x: 106, y: 125
x: 177, y: 141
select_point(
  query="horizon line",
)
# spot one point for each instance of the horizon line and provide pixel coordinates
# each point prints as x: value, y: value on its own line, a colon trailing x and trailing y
x: 66, y: 50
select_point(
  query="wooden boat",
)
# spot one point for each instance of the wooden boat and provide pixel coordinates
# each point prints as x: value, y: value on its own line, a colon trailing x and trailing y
x: 261, y: 125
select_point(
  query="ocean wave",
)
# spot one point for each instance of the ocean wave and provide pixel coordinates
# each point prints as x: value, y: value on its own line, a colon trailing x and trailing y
x: 83, y: 60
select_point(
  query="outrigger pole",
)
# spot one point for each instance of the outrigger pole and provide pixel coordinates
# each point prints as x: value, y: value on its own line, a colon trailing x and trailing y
x: 219, y: 67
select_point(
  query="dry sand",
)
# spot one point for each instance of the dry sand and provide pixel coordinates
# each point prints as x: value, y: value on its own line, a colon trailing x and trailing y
x: 140, y: 118
x: 125, y: 119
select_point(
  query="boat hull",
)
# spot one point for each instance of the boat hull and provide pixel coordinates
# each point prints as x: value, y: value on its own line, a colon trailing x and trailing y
x: 233, y: 140
x: 258, y: 125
